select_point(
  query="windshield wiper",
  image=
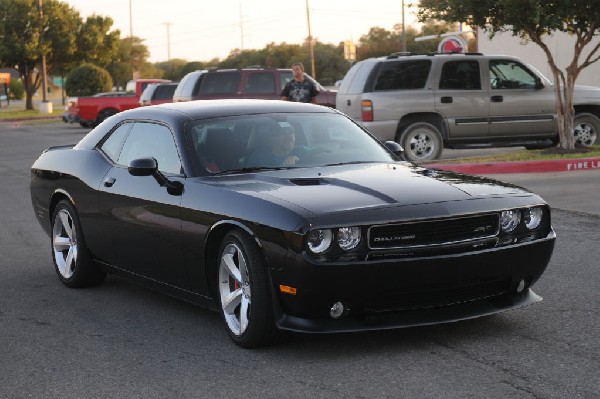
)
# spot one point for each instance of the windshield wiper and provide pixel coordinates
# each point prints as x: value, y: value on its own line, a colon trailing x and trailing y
x: 350, y: 163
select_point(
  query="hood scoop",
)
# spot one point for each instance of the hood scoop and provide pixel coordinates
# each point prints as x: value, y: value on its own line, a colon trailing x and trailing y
x: 307, y: 182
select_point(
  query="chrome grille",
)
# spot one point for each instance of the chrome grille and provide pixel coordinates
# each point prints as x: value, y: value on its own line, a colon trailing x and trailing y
x: 433, y: 232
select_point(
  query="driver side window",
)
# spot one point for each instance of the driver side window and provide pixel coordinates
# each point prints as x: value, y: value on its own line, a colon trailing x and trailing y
x: 151, y: 140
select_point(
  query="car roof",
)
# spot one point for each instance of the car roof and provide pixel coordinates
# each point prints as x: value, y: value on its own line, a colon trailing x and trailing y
x: 179, y: 113
x: 202, y: 109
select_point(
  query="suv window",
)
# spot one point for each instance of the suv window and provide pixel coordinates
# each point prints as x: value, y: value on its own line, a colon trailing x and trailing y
x: 260, y: 83
x: 164, y: 92
x: 508, y: 74
x: 462, y: 75
x: 403, y: 75
x: 213, y: 83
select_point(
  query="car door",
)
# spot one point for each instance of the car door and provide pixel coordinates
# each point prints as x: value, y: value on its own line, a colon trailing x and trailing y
x: 519, y: 105
x: 462, y: 99
x: 141, y: 219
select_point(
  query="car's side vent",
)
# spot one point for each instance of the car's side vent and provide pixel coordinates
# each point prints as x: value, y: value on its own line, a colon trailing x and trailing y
x: 306, y: 182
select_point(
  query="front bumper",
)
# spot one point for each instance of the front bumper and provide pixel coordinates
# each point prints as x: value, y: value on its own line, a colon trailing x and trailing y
x: 395, y: 293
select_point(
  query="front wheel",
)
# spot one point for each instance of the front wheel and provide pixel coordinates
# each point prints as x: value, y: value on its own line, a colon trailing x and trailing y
x: 244, y: 291
x: 586, y: 129
x: 72, y: 260
x: 422, y: 142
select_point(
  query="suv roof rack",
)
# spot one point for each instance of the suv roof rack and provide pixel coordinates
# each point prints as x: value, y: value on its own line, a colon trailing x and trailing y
x: 454, y: 53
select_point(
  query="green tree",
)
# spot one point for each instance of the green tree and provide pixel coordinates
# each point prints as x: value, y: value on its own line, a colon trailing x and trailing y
x: 22, y: 43
x: 131, y: 58
x: 191, y: 67
x: 534, y: 20
x: 95, y: 44
x: 88, y: 79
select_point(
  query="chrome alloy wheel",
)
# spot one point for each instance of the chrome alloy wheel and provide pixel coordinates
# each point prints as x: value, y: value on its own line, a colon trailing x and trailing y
x: 421, y: 145
x: 64, y: 243
x: 235, y: 289
x: 585, y: 134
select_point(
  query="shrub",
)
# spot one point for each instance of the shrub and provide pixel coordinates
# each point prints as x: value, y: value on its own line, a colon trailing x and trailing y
x: 17, y: 91
x: 86, y: 80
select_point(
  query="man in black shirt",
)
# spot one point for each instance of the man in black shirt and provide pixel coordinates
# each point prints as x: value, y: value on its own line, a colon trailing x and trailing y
x: 299, y: 89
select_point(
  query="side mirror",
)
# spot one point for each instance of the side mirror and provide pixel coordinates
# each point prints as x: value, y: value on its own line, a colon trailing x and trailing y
x: 394, y: 147
x: 143, y: 167
x: 149, y: 167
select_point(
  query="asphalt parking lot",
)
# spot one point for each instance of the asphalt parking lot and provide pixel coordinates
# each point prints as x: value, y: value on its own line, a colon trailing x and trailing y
x: 119, y: 340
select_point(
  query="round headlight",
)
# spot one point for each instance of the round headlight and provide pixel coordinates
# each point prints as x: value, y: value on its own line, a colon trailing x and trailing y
x: 533, y: 217
x: 348, y: 237
x: 319, y: 240
x: 509, y: 220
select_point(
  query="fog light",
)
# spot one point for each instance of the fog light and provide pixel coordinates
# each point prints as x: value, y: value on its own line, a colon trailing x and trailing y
x: 521, y: 286
x: 337, y: 311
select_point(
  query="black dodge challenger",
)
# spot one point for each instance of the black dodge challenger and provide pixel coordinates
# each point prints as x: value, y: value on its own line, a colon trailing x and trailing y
x: 285, y: 216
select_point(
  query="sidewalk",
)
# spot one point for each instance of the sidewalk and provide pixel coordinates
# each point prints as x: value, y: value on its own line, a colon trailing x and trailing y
x: 556, y: 165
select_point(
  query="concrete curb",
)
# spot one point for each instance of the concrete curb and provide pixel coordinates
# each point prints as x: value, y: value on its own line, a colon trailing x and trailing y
x: 556, y: 165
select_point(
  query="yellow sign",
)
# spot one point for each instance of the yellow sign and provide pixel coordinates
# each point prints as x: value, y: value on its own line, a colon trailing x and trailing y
x: 4, y: 78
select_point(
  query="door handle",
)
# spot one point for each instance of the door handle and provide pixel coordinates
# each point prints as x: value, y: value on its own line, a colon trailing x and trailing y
x: 497, y: 99
x: 446, y: 100
x: 109, y: 181
x: 349, y: 102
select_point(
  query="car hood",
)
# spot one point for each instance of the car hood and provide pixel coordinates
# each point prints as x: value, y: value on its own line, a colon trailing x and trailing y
x: 346, y: 188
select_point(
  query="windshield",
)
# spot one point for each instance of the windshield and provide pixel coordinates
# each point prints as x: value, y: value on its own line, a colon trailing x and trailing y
x: 274, y: 141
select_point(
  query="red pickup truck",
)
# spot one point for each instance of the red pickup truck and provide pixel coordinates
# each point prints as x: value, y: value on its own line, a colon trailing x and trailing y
x: 90, y: 111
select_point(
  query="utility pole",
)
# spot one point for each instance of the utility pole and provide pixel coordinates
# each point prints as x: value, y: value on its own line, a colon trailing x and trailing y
x: 403, y: 30
x: 241, y: 29
x: 168, y: 24
x: 310, y: 44
x: 130, y: 20
x: 45, y: 107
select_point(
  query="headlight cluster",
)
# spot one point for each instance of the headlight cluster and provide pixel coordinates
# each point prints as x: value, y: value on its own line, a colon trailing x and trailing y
x: 320, y: 240
x: 531, y: 218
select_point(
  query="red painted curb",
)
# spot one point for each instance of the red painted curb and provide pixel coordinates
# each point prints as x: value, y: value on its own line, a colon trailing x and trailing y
x: 557, y: 165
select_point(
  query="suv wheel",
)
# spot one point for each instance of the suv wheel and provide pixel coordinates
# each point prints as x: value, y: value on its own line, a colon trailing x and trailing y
x: 422, y: 142
x: 586, y: 129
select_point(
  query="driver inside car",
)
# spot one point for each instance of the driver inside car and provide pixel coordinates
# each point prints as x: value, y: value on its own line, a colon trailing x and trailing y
x: 282, y: 151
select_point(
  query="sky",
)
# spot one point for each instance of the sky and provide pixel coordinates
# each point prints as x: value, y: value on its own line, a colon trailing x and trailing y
x: 200, y: 30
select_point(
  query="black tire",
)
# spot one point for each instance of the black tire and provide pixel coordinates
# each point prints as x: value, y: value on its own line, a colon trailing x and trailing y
x: 586, y: 129
x: 87, y: 124
x: 107, y: 113
x: 421, y: 141
x: 72, y: 260
x: 244, y: 292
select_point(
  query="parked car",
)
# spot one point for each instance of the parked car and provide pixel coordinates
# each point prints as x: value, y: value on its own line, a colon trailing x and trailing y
x: 427, y: 102
x: 91, y: 111
x: 158, y: 93
x: 70, y: 115
x: 195, y: 199
x: 252, y: 82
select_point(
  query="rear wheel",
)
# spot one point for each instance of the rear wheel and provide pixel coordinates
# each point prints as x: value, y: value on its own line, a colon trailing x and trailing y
x: 422, y: 142
x: 72, y: 260
x: 244, y: 291
x: 586, y: 129
x: 105, y: 115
